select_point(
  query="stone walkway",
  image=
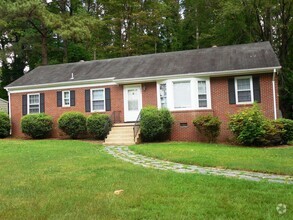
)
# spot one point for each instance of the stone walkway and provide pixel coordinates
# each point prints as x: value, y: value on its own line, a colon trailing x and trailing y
x: 124, y: 153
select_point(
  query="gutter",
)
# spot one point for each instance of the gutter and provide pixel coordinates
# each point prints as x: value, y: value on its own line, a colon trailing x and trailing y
x: 203, y: 74
x: 60, y: 84
x: 274, y: 94
x: 9, y: 112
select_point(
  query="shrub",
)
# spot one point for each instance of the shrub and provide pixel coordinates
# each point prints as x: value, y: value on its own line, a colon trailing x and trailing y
x: 251, y: 128
x: 209, y: 126
x: 99, y: 125
x: 285, y: 127
x: 4, y: 125
x: 72, y: 124
x: 248, y: 126
x: 155, y: 124
x: 37, y: 126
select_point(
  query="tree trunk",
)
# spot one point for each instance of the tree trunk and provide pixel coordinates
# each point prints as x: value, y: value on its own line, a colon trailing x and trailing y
x: 44, y: 50
x: 65, y: 50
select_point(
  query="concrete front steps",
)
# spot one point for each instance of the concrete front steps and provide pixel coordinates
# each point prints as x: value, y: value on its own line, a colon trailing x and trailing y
x: 121, y: 134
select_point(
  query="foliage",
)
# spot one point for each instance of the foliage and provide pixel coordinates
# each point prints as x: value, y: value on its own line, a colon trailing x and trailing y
x: 155, y: 124
x: 37, y: 126
x: 61, y: 31
x: 248, y: 126
x: 209, y: 126
x: 72, y: 124
x: 251, y: 128
x: 99, y: 125
x: 4, y: 125
x: 285, y: 127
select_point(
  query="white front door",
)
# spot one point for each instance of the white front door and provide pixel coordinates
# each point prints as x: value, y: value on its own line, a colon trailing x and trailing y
x: 132, y: 102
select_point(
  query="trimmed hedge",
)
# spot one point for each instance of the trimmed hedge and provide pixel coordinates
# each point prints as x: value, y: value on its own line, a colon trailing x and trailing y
x: 250, y: 127
x: 4, y: 125
x: 155, y: 124
x: 99, y: 125
x: 37, y: 126
x: 209, y: 126
x: 73, y: 124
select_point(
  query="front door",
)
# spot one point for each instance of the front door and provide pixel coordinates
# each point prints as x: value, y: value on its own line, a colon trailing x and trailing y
x: 132, y: 102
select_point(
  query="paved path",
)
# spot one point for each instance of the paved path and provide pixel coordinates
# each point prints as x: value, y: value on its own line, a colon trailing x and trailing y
x: 125, y: 154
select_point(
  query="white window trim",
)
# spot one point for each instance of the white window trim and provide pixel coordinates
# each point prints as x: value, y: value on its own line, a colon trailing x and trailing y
x: 103, y: 110
x: 251, y: 90
x: 194, y: 93
x: 206, y: 93
x: 28, y: 102
x: 63, y: 101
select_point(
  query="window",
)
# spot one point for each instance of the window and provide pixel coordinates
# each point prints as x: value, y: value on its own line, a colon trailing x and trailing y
x: 98, y: 100
x: 163, y: 95
x: 182, y: 94
x: 33, y: 103
x: 202, y: 94
x: 65, y: 98
x: 244, y: 92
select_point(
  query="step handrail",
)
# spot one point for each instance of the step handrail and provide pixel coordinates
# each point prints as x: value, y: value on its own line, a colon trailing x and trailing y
x: 136, y: 126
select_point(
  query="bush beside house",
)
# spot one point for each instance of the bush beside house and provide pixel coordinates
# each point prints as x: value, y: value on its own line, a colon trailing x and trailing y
x: 37, y: 126
x: 209, y: 126
x: 99, y: 125
x: 4, y: 125
x: 155, y: 124
x: 251, y: 128
x: 73, y: 124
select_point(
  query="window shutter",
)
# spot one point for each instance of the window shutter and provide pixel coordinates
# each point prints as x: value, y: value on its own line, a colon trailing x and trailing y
x: 256, y: 89
x: 42, y: 102
x: 59, y: 99
x: 87, y: 101
x: 72, y: 98
x: 108, y: 99
x: 231, y: 90
x: 24, y: 104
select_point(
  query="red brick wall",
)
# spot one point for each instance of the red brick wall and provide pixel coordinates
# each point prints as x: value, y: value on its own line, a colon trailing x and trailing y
x: 148, y: 98
x: 220, y: 107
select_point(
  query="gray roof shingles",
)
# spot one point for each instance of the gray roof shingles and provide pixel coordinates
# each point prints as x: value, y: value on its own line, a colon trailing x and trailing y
x: 236, y: 57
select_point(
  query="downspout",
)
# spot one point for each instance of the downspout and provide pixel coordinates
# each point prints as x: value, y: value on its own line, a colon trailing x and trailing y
x: 274, y: 94
x: 9, y: 110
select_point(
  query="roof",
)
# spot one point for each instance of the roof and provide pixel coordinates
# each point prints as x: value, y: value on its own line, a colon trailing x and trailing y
x: 3, y: 100
x: 215, y: 59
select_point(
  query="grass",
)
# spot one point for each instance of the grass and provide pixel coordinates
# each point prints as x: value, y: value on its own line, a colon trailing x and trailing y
x: 269, y: 160
x: 53, y: 179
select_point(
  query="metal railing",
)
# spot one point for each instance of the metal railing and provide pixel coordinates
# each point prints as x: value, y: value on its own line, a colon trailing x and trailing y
x: 136, y: 126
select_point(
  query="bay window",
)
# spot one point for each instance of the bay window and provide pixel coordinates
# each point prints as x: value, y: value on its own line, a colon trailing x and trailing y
x: 184, y: 94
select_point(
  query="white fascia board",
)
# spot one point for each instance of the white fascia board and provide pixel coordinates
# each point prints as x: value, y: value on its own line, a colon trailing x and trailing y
x: 203, y: 74
x: 70, y: 84
x: 59, y: 87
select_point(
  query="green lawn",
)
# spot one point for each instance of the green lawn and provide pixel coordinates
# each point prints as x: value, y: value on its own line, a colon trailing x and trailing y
x: 270, y: 160
x: 54, y: 179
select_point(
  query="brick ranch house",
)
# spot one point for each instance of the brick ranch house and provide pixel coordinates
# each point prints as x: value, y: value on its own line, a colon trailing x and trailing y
x: 218, y: 81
